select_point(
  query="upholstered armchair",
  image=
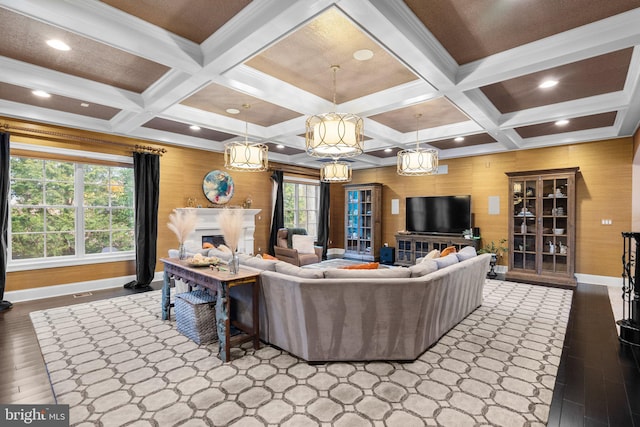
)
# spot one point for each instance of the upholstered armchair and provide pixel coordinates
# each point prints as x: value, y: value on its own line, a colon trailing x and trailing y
x: 296, y: 247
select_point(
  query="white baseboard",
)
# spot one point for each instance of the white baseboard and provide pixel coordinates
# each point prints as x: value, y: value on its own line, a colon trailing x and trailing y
x: 592, y: 279
x: 72, y: 288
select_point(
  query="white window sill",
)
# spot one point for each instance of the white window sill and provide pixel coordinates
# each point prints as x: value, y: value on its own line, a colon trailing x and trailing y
x: 38, y: 264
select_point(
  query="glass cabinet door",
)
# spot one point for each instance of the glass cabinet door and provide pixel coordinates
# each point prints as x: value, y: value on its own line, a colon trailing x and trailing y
x: 554, y: 225
x: 353, y: 220
x: 524, y: 223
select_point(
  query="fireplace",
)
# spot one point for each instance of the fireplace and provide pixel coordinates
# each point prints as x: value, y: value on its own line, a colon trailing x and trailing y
x: 216, y: 240
x: 208, y: 227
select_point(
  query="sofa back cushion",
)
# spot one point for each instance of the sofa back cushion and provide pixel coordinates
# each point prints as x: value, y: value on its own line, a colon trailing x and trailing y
x: 425, y: 267
x: 258, y: 263
x: 446, y: 261
x: 466, y: 253
x: 382, y: 273
x: 294, y: 270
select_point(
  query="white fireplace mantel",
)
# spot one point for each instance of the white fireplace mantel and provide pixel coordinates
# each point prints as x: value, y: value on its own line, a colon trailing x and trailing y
x: 209, y: 225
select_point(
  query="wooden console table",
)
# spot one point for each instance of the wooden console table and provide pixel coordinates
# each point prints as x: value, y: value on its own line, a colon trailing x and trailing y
x: 409, y: 247
x: 218, y: 282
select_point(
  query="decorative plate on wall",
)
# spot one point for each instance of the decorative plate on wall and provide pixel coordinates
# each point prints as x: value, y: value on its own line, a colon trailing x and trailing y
x: 218, y: 187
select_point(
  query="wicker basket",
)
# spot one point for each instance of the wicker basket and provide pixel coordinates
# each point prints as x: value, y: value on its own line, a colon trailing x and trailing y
x: 196, y: 316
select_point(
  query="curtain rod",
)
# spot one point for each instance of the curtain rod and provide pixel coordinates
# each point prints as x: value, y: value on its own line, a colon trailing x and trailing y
x: 26, y: 131
x: 294, y: 170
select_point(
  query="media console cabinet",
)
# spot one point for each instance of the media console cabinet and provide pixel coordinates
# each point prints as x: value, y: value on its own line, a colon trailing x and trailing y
x: 412, y: 246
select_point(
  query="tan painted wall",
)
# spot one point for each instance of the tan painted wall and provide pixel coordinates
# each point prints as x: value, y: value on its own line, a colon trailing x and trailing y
x: 181, y: 174
x: 603, y: 191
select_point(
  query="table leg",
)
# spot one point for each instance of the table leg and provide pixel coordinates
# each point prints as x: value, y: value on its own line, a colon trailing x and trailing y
x: 166, y: 299
x: 222, y: 323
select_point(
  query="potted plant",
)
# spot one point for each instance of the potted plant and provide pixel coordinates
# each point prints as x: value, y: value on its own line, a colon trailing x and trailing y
x: 497, y: 250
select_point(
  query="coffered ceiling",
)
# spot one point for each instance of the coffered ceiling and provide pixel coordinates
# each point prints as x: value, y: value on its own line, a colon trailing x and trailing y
x: 153, y: 68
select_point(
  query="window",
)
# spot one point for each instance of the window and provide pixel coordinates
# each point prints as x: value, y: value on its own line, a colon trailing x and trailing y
x: 66, y: 209
x: 301, y: 204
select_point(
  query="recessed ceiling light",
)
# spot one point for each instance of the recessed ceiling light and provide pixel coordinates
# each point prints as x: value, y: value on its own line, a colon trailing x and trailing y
x: 562, y: 122
x: 41, y: 93
x: 388, y: 150
x: 84, y: 104
x: 58, y: 44
x: 280, y: 146
x: 548, y: 83
x: 233, y: 111
x: 194, y: 127
x: 363, y: 55
x: 459, y: 139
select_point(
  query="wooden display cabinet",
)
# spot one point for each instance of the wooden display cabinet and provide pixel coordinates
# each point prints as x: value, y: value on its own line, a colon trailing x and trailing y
x: 363, y: 203
x: 542, y: 226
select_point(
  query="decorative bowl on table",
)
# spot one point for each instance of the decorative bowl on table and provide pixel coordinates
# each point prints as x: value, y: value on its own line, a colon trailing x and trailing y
x: 202, y: 261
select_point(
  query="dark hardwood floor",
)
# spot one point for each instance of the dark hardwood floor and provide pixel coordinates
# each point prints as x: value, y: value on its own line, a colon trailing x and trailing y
x: 23, y: 377
x: 598, y: 381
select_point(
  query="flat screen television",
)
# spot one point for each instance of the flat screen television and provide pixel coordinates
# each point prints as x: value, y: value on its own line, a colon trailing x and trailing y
x: 438, y: 214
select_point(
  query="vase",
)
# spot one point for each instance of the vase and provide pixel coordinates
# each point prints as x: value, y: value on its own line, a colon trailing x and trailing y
x: 182, y: 252
x: 234, y: 264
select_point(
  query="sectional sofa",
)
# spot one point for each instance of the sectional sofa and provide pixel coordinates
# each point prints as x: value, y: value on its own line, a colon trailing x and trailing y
x: 385, y: 314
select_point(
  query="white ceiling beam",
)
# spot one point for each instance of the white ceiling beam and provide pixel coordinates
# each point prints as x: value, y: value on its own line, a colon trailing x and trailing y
x: 610, y: 34
x: 630, y: 117
x: 35, y: 77
x: 580, y: 107
x: 105, y: 24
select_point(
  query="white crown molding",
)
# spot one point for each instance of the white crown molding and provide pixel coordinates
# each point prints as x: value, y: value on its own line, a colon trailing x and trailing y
x: 566, y: 138
x: 629, y: 118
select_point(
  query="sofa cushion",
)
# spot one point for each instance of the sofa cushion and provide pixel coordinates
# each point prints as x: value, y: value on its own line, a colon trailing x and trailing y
x: 382, y: 273
x: 466, y: 253
x: 226, y: 256
x: 431, y: 255
x: 258, y: 263
x: 294, y: 270
x: 366, y: 266
x: 424, y: 268
x: 303, y: 243
x: 271, y: 257
x: 446, y: 261
x: 448, y: 250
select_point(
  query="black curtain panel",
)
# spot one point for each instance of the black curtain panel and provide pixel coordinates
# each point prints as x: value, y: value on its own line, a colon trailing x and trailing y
x: 146, y: 170
x: 4, y: 215
x: 277, y: 222
x: 323, y: 217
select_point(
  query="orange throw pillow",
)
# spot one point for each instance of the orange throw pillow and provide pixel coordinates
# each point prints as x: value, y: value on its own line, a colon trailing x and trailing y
x: 207, y: 245
x: 267, y: 256
x: 368, y: 266
x: 448, y: 250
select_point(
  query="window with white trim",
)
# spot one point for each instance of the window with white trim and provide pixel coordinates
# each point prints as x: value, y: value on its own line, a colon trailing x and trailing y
x: 301, y: 205
x: 61, y: 209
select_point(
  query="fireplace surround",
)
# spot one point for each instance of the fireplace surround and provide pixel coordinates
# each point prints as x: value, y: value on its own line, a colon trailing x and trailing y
x: 209, y: 225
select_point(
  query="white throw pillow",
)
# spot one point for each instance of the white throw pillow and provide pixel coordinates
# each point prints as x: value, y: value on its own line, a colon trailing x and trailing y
x: 431, y: 255
x: 303, y: 243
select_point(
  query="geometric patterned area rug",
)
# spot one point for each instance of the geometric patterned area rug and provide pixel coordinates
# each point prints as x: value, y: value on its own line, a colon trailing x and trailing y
x: 115, y: 362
